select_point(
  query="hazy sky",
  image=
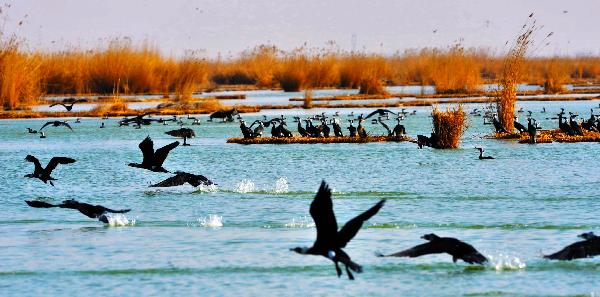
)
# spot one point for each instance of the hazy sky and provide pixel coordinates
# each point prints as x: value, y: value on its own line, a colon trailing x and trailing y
x: 230, y: 26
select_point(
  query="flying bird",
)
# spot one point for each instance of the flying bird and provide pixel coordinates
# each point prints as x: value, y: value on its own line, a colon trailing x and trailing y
x: 153, y: 160
x: 438, y: 245
x: 68, y: 107
x: 57, y: 124
x: 380, y: 112
x: 43, y: 174
x: 182, y: 178
x: 91, y: 211
x: 587, y: 248
x: 330, y: 240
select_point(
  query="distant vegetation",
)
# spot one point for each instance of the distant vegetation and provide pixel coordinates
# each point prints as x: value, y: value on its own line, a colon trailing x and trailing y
x: 125, y: 68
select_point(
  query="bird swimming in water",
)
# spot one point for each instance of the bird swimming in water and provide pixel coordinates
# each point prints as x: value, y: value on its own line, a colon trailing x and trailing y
x: 437, y: 245
x: 481, y: 157
x: 32, y: 131
x: 42, y: 135
x: 43, y: 174
x: 182, y: 178
x: 102, y: 125
x: 587, y: 248
x: 153, y: 160
x: 68, y: 107
x: 91, y: 211
x: 330, y: 240
x: 78, y: 121
x: 57, y: 124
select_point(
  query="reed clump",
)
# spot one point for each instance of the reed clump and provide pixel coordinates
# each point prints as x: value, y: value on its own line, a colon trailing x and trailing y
x: 20, y: 77
x: 556, y: 74
x: 308, y: 98
x: 191, y: 73
x: 455, y: 71
x: 448, y: 127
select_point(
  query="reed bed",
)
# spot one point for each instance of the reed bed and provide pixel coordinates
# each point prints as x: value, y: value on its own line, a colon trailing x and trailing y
x: 312, y: 140
x: 448, y: 127
x: 548, y: 136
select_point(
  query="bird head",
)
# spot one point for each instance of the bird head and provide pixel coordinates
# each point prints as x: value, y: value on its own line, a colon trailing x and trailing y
x: 430, y: 236
x: 300, y: 250
x: 587, y: 235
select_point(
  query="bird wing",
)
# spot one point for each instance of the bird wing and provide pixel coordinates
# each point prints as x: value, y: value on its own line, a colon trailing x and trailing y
x: 351, y: 228
x: 161, y: 154
x: 36, y: 163
x: 104, y: 209
x: 432, y: 247
x: 321, y: 210
x: 378, y: 111
x: 147, y: 148
x: 172, y: 181
x: 55, y: 104
x: 67, y: 125
x: 46, y: 124
x: 580, y: 249
x: 386, y: 127
x: 57, y: 160
x: 39, y: 204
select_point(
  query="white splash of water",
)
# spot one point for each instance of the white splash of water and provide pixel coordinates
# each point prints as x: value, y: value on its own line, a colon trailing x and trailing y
x: 212, y: 221
x: 281, y: 185
x: 505, y: 262
x: 245, y: 186
x: 119, y: 220
x: 303, y: 222
x: 207, y: 189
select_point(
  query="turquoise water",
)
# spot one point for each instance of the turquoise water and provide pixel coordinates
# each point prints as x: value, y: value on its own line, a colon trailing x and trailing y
x: 529, y: 201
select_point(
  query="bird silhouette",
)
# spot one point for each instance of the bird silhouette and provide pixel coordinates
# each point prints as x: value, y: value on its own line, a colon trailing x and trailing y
x: 330, y: 240
x: 91, y: 211
x: 43, y: 174
x: 57, y: 124
x: 153, y: 160
x: 182, y: 178
x: 586, y: 248
x: 67, y: 107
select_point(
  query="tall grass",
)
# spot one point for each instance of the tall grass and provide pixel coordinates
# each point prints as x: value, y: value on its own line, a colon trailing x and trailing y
x: 448, y: 127
x: 191, y: 73
x: 19, y: 76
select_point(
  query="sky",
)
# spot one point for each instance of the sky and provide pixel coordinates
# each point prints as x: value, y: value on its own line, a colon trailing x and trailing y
x: 227, y: 27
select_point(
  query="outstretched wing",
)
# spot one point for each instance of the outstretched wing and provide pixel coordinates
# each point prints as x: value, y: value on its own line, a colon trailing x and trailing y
x: 102, y: 209
x: 161, y: 154
x: 66, y: 125
x: 39, y: 204
x: 36, y: 163
x: 147, y: 148
x: 55, y: 104
x: 321, y: 210
x: 386, y: 127
x: 57, y: 160
x: 173, y: 181
x: 580, y: 249
x: 46, y: 124
x: 379, y: 111
x: 351, y: 228
x: 432, y: 247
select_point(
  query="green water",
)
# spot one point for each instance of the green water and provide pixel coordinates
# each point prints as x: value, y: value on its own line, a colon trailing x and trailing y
x: 529, y: 201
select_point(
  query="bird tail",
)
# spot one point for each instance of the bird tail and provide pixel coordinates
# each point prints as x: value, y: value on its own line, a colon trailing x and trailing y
x: 39, y: 204
x: 475, y: 258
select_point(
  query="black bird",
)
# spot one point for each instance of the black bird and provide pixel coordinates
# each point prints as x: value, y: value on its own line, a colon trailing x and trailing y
x: 42, y: 135
x: 247, y: 132
x: 481, y: 157
x: 352, y: 129
x: 44, y: 173
x: 380, y: 112
x: 574, y: 125
x: 57, y: 124
x: 258, y: 131
x: 153, y: 160
x: 324, y: 128
x: 32, y: 131
x: 301, y: 129
x: 181, y: 178
x: 497, y: 125
x: 68, y: 107
x: 91, y: 211
x: 285, y: 132
x: 519, y: 126
x: 587, y: 248
x: 438, y: 245
x: 531, y: 129
x: 564, y: 126
x: 399, y: 128
x: 361, y: 129
x: 184, y: 133
x: 102, y: 126
x: 337, y: 129
x: 330, y: 240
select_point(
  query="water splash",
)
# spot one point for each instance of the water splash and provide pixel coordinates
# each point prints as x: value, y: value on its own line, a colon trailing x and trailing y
x: 281, y: 185
x: 212, y: 221
x: 207, y: 189
x: 244, y: 186
x: 303, y: 222
x: 505, y: 262
x: 119, y: 220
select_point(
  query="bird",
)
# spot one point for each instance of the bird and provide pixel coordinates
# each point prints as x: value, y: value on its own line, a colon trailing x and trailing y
x: 102, y: 125
x: 337, y: 129
x: 67, y: 107
x: 586, y: 248
x: 43, y: 174
x: 352, y: 129
x: 330, y: 240
x: 498, y: 125
x: 481, y: 157
x: 459, y: 250
x: 385, y: 126
x: 519, y: 126
x: 380, y: 112
x: 153, y: 160
x: 531, y: 129
x: 32, y: 131
x: 78, y: 120
x: 184, y: 133
x: 399, y: 128
x: 91, y: 211
x: 247, y: 132
x: 42, y: 135
x: 57, y: 124
x: 181, y: 178
x: 362, y: 132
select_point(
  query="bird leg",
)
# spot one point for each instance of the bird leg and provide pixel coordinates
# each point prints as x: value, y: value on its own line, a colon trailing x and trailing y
x: 338, y: 269
x: 350, y: 276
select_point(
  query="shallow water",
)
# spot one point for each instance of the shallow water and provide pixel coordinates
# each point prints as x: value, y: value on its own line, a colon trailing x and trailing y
x: 234, y: 239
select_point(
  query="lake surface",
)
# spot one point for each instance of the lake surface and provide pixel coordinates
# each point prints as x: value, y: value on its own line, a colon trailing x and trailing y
x: 531, y: 200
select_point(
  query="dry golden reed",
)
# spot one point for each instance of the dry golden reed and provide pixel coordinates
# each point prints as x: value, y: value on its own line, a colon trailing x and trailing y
x: 448, y: 127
